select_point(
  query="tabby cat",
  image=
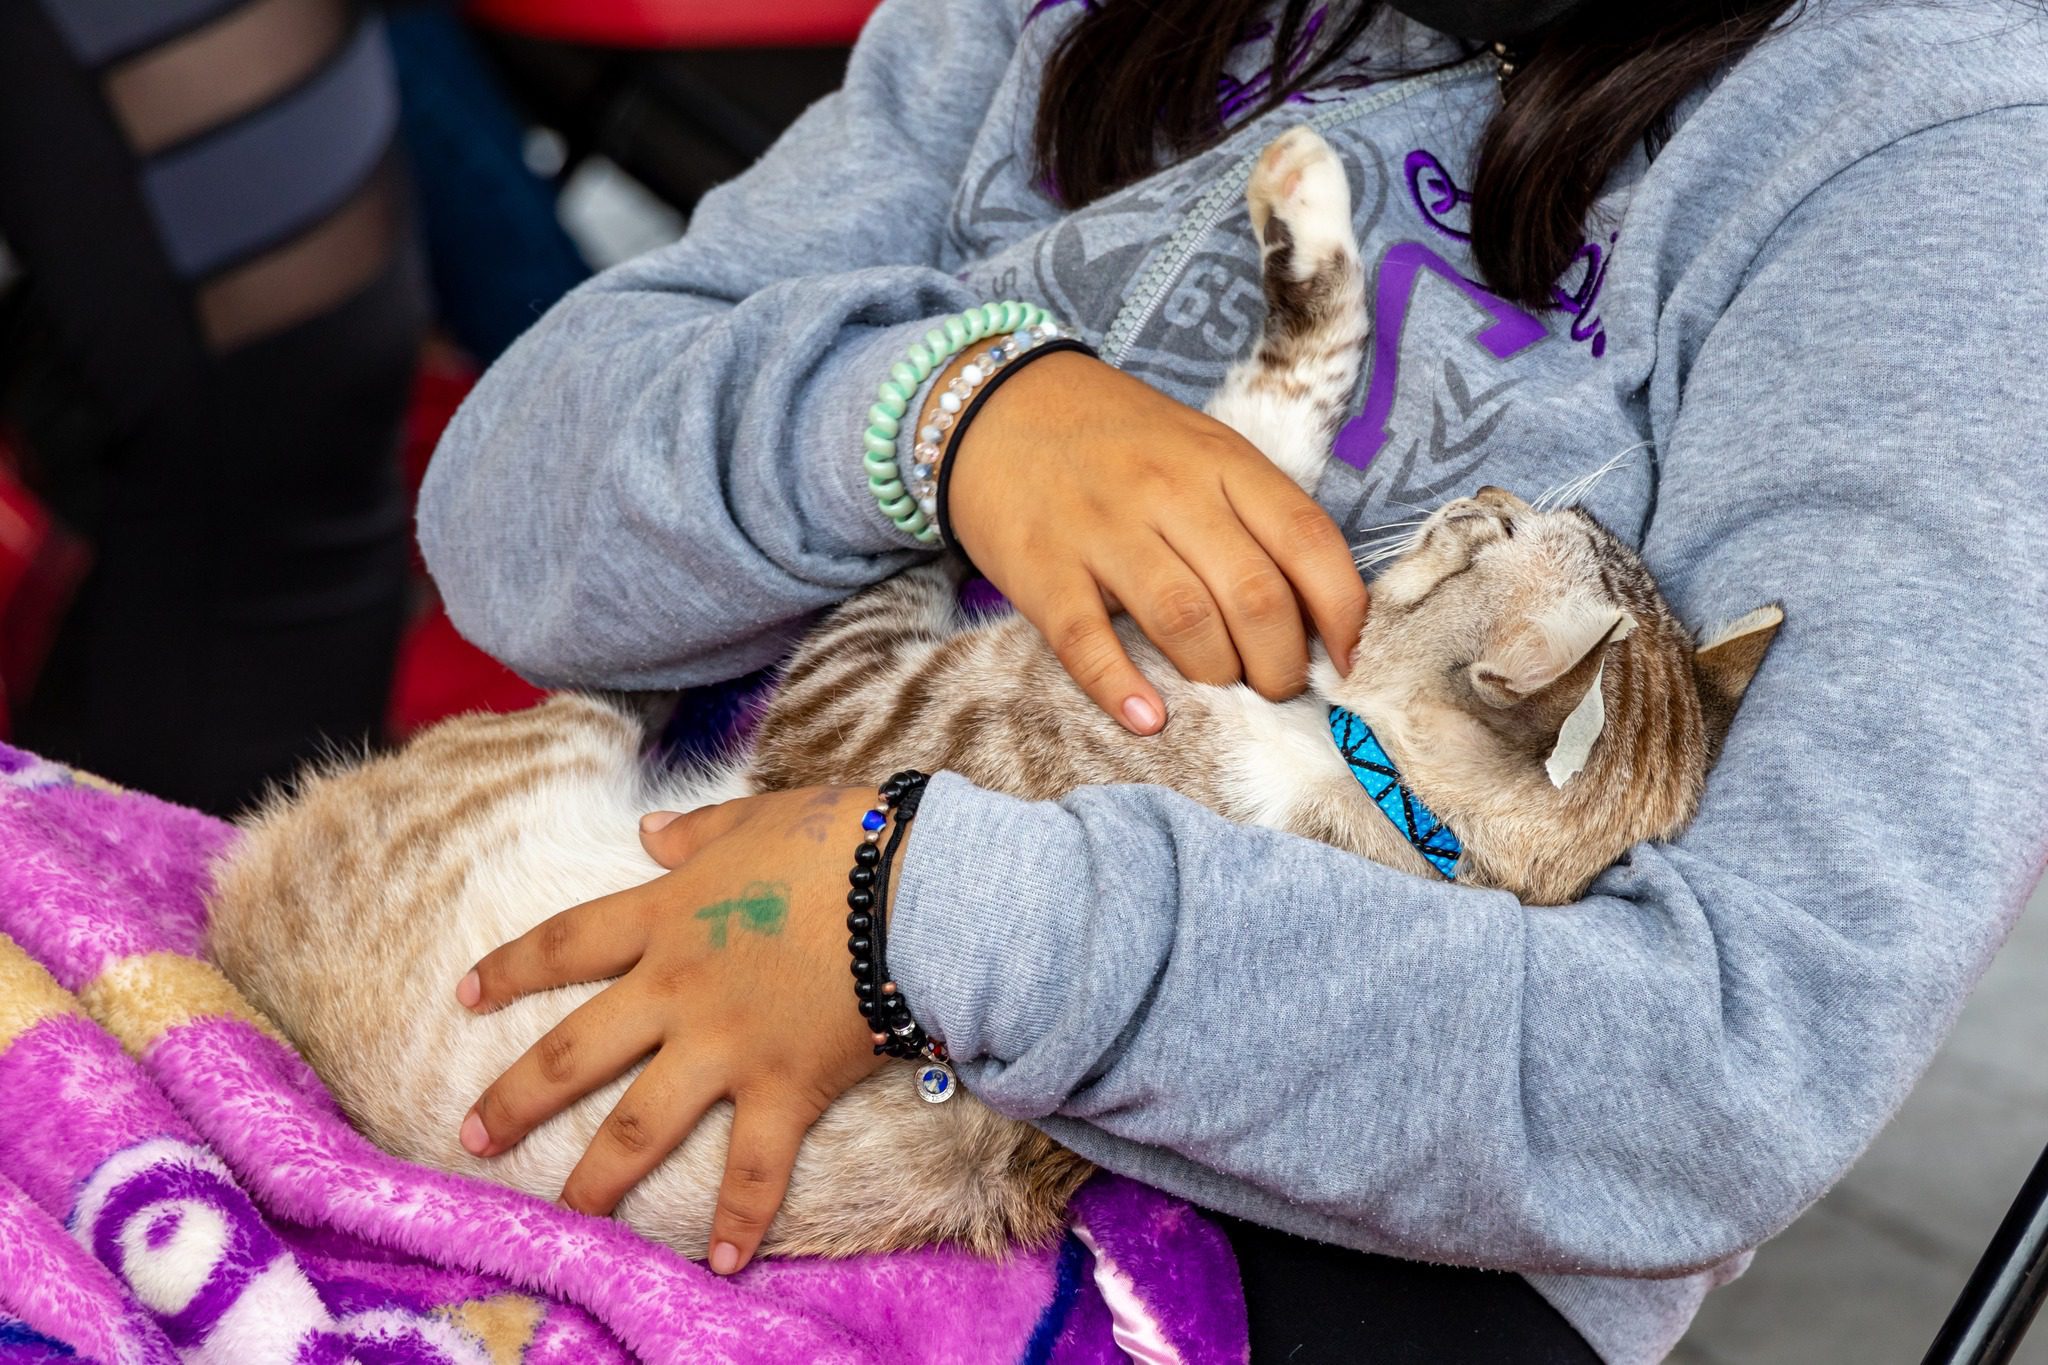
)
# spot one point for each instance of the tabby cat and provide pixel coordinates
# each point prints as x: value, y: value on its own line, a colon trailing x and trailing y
x: 352, y: 906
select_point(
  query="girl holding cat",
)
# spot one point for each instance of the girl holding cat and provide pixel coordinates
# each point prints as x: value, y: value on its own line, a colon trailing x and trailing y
x: 1712, y: 230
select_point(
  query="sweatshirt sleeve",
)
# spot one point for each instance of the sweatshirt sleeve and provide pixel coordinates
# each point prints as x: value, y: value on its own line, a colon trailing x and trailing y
x: 1663, y: 1075
x: 662, y: 479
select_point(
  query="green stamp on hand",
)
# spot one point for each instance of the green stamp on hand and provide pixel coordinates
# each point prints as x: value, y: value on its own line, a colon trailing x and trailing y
x: 762, y: 907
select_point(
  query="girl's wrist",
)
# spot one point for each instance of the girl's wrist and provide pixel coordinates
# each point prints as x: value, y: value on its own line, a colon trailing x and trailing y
x: 1002, y: 439
x: 976, y: 386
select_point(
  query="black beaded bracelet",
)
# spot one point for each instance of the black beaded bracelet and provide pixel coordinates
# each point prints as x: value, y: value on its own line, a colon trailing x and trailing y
x: 880, y: 1000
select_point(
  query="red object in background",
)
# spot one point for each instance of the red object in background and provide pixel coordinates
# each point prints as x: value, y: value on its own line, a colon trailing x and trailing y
x: 41, y: 566
x: 441, y: 674
x: 682, y: 23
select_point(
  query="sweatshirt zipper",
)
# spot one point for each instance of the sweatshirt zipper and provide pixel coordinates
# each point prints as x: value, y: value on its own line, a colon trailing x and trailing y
x: 1216, y: 203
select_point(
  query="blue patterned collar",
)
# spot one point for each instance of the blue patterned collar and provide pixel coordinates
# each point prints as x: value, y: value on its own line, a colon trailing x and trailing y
x: 1375, y: 771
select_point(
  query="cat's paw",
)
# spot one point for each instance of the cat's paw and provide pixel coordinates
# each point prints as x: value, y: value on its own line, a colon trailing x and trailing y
x: 1300, y: 186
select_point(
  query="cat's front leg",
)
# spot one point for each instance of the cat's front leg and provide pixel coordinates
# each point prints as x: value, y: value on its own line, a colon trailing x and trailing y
x: 1289, y: 396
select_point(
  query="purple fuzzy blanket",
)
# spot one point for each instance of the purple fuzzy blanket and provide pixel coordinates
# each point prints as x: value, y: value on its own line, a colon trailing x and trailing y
x: 176, y: 1185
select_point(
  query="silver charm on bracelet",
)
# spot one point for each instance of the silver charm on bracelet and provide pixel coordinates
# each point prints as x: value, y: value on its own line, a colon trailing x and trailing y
x: 936, y: 1082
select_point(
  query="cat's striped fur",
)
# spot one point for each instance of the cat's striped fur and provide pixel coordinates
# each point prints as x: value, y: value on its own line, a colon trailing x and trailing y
x: 352, y: 906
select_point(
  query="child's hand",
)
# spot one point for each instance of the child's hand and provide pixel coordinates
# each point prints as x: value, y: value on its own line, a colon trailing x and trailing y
x: 732, y: 973
x: 1080, y: 491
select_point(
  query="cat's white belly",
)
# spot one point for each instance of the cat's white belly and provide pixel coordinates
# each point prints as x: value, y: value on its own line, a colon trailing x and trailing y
x: 570, y: 841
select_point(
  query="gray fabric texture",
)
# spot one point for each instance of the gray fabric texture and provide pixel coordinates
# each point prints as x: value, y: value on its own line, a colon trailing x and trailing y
x: 1822, y: 306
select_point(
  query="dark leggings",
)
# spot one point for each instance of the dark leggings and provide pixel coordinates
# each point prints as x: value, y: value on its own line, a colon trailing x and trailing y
x: 222, y: 316
x: 1313, y: 1304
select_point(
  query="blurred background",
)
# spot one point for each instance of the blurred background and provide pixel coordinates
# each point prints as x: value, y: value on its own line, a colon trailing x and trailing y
x: 252, y: 255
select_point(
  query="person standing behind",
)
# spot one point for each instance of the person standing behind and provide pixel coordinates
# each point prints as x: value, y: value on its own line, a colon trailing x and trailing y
x: 212, y: 220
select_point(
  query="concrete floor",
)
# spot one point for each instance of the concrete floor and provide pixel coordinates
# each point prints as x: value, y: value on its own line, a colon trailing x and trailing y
x: 1866, y: 1277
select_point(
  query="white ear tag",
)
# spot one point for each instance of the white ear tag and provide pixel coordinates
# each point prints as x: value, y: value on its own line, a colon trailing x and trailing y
x: 1580, y: 731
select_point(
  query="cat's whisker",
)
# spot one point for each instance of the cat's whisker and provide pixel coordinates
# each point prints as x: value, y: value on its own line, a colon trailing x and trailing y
x: 1385, y: 547
x: 1568, y: 491
x: 1414, y: 506
x: 1575, y: 490
x: 1381, y: 556
x: 1391, y: 531
x: 1380, y: 531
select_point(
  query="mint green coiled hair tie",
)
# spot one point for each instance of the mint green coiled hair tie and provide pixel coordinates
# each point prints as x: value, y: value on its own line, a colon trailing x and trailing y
x: 906, y: 494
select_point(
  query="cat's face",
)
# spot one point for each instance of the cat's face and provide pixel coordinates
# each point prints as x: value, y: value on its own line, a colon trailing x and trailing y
x: 1487, y: 635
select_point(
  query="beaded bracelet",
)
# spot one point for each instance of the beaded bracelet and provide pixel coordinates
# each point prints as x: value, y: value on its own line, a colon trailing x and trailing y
x: 899, y: 390
x: 881, y: 1002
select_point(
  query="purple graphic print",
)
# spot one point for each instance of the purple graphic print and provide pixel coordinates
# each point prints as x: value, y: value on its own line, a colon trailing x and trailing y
x: 1436, y: 195
x: 1237, y: 96
x: 1579, y: 303
x: 1434, y: 192
x: 1510, y: 332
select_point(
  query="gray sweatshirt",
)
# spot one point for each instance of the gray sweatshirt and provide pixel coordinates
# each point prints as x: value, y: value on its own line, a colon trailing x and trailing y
x: 1821, y: 306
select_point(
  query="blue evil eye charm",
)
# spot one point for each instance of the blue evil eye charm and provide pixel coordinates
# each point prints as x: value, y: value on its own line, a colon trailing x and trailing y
x: 873, y: 821
x: 936, y: 1082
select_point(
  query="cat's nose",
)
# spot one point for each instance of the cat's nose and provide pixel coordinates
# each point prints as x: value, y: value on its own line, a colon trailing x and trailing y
x: 1496, y: 497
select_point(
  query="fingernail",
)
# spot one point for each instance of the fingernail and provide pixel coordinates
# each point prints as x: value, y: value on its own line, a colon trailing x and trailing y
x: 469, y: 990
x: 725, y: 1257
x: 656, y: 821
x: 1142, y: 715
x: 475, y: 1140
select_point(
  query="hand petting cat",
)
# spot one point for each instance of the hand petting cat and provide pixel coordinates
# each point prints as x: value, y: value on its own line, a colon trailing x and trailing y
x: 731, y: 971
x: 1081, y: 491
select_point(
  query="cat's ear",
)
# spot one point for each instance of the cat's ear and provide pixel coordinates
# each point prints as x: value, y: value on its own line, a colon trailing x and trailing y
x: 1541, y: 675
x: 1726, y: 662
x: 1546, y: 656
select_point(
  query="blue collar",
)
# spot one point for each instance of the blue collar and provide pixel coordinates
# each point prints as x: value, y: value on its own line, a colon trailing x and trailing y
x: 1375, y: 771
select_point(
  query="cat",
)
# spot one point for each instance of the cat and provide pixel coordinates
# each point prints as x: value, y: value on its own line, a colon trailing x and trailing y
x: 352, y: 905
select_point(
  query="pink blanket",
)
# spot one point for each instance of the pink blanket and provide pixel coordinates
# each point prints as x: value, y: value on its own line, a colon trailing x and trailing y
x: 176, y: 1185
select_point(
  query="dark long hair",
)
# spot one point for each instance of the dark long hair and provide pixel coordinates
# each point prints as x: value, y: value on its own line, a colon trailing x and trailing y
x: 1136, y: 82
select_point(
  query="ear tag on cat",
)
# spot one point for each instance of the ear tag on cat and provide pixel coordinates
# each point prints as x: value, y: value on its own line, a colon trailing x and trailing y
x: 1579, y: 733
x: 1582, y: 728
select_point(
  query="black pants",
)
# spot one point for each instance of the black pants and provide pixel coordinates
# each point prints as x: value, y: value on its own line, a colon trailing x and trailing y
x: 211, y: 357
x: 1312, y: 1304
